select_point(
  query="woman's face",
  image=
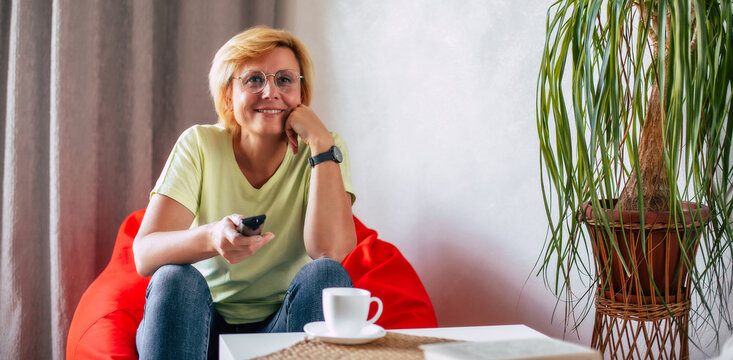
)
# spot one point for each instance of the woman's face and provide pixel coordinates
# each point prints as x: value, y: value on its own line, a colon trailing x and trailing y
x: 264, y: 113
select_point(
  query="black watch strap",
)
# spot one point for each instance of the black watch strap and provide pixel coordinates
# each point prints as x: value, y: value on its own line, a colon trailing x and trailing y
x: 333, y: 154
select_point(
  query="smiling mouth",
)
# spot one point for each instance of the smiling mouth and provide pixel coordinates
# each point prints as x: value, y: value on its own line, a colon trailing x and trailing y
x: 269, y: 111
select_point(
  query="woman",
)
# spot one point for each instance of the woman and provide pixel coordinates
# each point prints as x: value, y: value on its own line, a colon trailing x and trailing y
x: 256, y: 160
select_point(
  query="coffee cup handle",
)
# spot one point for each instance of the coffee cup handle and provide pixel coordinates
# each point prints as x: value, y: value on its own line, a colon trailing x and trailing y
x: 379, y: 310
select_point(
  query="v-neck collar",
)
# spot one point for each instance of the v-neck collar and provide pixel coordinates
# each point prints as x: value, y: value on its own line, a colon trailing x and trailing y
x: 273, y: 179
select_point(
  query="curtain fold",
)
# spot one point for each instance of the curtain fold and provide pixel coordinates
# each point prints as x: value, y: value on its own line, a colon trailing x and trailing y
x: 94, y: 95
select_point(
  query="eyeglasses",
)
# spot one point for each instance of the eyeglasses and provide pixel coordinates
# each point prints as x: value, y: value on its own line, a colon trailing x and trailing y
x: 254, y: 81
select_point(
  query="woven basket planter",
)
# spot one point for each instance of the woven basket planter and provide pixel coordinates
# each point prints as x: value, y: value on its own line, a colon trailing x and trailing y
x: 643, y: 312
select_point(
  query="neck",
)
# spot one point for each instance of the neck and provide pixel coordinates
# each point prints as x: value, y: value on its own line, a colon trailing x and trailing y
x: 258, y: 157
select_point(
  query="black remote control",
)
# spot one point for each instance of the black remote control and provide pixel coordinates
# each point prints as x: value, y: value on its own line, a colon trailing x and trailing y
x: 251, y: 225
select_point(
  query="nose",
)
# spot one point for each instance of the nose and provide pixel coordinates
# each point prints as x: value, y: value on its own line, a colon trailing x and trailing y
x: 270, y: 91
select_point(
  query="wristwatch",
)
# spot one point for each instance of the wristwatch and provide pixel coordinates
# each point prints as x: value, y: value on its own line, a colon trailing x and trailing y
x: 334, y: 153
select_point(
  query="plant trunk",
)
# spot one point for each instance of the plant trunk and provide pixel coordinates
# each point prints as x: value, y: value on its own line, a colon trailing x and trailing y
x: 653, y: 176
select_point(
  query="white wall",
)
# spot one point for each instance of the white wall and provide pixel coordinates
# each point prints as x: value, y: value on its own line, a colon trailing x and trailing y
x: 436, y: 101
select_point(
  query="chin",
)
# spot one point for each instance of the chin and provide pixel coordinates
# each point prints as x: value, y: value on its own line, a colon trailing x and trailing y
x: 271, y: 131
x: 264, y: 126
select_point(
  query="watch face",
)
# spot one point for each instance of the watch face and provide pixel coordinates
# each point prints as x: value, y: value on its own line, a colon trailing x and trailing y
x: 337, y: 154
x: 334, y: 153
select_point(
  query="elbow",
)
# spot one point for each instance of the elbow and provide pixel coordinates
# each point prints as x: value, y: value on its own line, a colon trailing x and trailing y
x: 350, y: 246
x: 140, y: 265
x: 142, y: 271
x: 337, y: 256
x: 336, y: 251
x: 328, y: 255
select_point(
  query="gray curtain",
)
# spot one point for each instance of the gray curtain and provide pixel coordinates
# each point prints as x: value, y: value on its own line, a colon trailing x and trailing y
x: 95, y: 93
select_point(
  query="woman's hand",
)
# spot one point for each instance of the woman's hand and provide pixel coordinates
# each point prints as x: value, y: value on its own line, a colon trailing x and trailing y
x: 165, y: 238
x: 233, y: 246
x: 303, y: 122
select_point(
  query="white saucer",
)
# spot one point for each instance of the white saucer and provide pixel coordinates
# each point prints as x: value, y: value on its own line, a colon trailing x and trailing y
x: 318, y: 330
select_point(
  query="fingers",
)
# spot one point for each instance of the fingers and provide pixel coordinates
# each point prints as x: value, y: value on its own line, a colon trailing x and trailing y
x: 233, y: 246
x: 304, y: 123
x: 292, y: 138
x: 252, y: 241
x: 290, y: 133
x: 242, y: 247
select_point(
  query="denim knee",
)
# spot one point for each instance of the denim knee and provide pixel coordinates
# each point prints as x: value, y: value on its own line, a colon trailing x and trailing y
x: 324, y: 271
x: 177, y: 318
x: 302, y: 302
x: 177, y: 282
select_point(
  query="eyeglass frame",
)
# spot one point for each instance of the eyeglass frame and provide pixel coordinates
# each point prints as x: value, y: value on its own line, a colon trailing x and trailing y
x: 241, y: 79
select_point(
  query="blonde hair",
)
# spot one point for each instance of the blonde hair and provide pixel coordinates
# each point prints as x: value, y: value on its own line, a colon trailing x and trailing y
x: 246, y: 46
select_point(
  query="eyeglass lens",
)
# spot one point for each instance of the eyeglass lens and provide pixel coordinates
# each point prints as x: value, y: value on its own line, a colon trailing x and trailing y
x: 254, y: 81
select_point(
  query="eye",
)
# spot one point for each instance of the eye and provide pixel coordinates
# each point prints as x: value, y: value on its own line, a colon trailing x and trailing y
x: 284, y: 79
x: 254, y: 79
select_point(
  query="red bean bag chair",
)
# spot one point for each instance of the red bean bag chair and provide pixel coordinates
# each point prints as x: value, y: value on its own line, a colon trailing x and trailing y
x: 106, y: 319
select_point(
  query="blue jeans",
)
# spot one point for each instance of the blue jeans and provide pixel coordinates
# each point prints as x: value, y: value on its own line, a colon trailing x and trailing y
x: 180, y: 321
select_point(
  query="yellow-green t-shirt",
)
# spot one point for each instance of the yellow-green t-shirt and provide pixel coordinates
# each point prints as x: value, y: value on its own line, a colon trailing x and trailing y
x: 202, y: 174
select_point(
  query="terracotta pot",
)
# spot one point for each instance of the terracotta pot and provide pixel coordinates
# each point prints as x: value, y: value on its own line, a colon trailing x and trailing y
x: 661, y: 260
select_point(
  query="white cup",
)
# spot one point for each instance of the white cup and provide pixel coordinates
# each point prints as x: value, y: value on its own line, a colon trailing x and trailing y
x: 346, y: 310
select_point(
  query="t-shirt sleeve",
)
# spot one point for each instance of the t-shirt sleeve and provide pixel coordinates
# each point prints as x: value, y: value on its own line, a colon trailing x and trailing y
x: 345, y: 166
x: 180, y: 179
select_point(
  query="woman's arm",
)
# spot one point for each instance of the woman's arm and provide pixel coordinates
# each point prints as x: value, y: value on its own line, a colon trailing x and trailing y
x: 165, y: 238
x: 329, y: 224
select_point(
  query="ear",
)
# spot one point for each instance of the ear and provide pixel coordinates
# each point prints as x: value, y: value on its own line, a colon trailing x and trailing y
x: 228, y: 105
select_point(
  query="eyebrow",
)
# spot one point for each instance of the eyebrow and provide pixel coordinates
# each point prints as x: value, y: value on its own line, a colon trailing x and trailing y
x: 246, y: 70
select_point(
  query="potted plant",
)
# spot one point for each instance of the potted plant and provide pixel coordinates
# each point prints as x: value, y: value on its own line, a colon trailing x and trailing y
x: 633, y: 116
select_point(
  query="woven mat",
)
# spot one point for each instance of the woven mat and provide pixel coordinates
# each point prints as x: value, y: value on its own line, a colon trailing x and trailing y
x: 391, y: 346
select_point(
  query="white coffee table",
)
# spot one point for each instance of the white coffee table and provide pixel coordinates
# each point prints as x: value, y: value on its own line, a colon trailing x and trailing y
x: 246, y: 346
